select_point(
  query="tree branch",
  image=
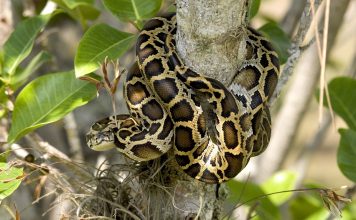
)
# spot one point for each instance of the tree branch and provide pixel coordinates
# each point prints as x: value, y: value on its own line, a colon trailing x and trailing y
x: 291, y: 18
x: 298, y: 97
x: 71, y: 129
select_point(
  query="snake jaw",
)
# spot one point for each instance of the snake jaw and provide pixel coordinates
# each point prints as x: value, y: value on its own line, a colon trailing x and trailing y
x: 100, y: 140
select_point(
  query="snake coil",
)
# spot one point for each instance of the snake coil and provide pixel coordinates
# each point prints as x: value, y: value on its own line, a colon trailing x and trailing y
x: 214, y: 131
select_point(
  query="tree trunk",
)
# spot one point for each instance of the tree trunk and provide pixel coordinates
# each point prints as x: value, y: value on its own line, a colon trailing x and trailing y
x: 207, y: 36
x: 208, y: 42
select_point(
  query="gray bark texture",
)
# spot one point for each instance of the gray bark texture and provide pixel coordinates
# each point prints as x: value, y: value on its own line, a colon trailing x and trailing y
x: 207, y: 36
x: 208, y: 42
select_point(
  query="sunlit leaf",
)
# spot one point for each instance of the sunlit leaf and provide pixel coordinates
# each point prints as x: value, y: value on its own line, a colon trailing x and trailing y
x: 10, y: 179
x: 305, y: 204
x: 33, y: 65
x: 88, y: 12
x: 320, y: 214
x: 75, y: 3
x: 278, y: 38
x: 347, y: 153
x: 133, y: 10
x: 48, y: 99
x: 81, y: 10
x: 98, y: 42
x: 252, y: 195
x: 280, y: 181
x: 20, y: 42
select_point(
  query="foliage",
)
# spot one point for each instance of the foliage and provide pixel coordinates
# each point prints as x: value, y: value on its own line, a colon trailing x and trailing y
x: 47, y: 99
x: 342, y: 97
x: 255, y: 5
x: 347, y: 153
x: 10, y: 179
x: 133, y: 10
x: 50, y: 97
x: 43, y: 99
x: 20, y: 43
x: 278, y: 38
x: 98, y: 42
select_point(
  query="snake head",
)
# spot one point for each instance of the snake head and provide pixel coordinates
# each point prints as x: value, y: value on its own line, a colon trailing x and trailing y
x: 101, y: 136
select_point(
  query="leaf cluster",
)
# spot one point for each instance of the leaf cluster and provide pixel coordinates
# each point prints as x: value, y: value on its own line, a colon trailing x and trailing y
x: 48, y: 98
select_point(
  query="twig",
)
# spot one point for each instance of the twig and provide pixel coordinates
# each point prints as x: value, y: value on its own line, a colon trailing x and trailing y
x: 322, y: 56
x: 44, y: 147
x: 71, y: 129
x: 51, y: 153
x: 19, y: 151
x: 295, y: 48
x: 297, y: 98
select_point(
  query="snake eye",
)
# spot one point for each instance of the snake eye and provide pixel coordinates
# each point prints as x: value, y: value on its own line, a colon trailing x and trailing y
x: 96, y: 127
x: 100, y: 125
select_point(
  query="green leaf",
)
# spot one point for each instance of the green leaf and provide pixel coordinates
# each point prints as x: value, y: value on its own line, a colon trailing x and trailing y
x: 88, y: 12
x: 304, y: 205
x: 133, y: 10
x: 10, y: 179
x: 348, y: 213
x: 280, y: 181
x: 3, y: 100
x: 20, y: 42
x: 347, y: 153
x: 241, y: 192
x: 4, y: 155
x: 278, y: 38
x: 98, y: 42
x: 342, y: 92
x: 48, y: 99
x: 320, y: 214
x: 255, y: 5
x: 80, y: 10
x: 75, y: 3
x: 34, y: 64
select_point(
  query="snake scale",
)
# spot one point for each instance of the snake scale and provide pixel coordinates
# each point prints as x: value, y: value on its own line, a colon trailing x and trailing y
x: 214, y: 131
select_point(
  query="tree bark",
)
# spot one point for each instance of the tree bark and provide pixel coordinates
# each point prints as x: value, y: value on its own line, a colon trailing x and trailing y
x: 207, y: 36
x: 208, y: 42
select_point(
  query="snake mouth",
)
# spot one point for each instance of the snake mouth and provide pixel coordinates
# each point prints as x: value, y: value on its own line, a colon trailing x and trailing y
x: 100, y: 141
